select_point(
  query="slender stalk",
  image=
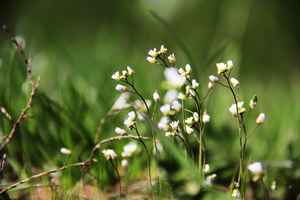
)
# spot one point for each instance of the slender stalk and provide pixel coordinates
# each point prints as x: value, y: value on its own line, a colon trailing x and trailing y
x: 118, y: 174
x: 147, y: 152
x: 243, y: 138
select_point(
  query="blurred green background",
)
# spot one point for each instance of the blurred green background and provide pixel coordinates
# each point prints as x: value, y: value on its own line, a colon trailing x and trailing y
x: 76, y: 45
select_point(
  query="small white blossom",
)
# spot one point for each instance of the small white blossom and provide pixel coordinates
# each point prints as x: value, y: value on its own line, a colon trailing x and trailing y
x: 124, y: 163
x: 163, y: 123
x: 65, y: 151
x: 222, y: 67
x: 121, y: 88
x: 189, y: 130
x: 189, y: 120
x: 205, y: 118
x: 151, y: 60
x: 209, y: 179
x: 174, y: 125
x: 163, y: 49
x: 130, y: 71
x: 120, y: 131
x: 181, y: 96
x: 256, y: 168
x: 236, y: 194
x: 173, y: 78
x: 156, y: 96
x: 175, y: 105
x: 129, y: 149
x: 210, y: 85
x: 121, y: 102
x: 240, y: 108
x: 130, y: 120
x: 109, y: 154
x: 261, y: 118
x: 253, y: 102
x: 195, y: 84
x: 190, y: 91
x: 172, y: 58
x: 165, y: 109
x: 186, y: 71
x: 206, y: 168
x: 116, y: 76
x: 213, y: 78
x: 195, y: 116
x: 170, y: 96
x: 229, y: 64
x: 234, y: 82
x: 153, y: 53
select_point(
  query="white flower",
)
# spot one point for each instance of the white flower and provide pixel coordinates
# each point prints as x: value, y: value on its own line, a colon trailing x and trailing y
x: 129, y: 149
x: 65, y: 151
x: 234, y: 82
x: 213, y: 78
x: 121, y: 88
x: 236, y: 194
x: 188, y: 129
x: 181, y: 96
x: 170, y: 133
x: 151, y: 60
x: 21, y: 41
x: 153, y: 53
x: 253, y: 102
x: 170, y: 96
x: 210, y: 85
x: 156, y: 96
x: 261, y: 118
x: 209, y: 179
x: 173, y: 77
x: 172, y: 58
x: 256, y: 168
x: 121, y: 102
x: 120, y: 131
x: 240, y: 108
x: 174, y: 125
x: 189, y: 120
x: 124, y: 163
x: 130, y: 71
x: 163, y: 49
x: 206, y: 168
x: 186, y: 71
x: 175, y: 105
x: 195, y: 84
x: 109, y: 154
x: 189, y: 91
x: 116, y: 76
x: 165, y: 109
x: 229, y: 64
x: 205, y: 118
x: 163, y: 123
x: 130, y: 120
x: 195, y: 116
x: 222, y: 67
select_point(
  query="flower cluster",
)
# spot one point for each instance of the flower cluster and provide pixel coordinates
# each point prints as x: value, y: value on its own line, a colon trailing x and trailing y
x: 153, y: 54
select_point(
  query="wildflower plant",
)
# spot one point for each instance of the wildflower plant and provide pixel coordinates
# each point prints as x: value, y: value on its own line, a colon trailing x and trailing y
x: 177, y: 114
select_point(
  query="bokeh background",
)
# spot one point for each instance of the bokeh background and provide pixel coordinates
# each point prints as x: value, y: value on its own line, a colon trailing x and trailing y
x: 76, y: 45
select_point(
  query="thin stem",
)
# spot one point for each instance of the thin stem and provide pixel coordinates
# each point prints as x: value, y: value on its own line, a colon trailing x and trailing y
x: 139, y: 95
x: 118, y: 174
x: 147, y: 152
